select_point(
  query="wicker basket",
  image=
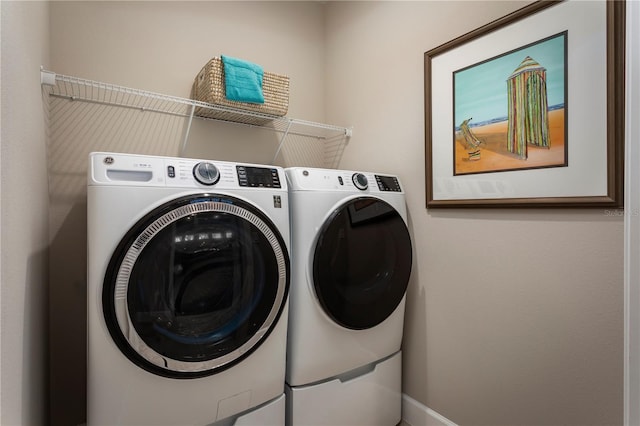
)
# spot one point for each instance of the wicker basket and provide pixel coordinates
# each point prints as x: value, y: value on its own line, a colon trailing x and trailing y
x: 209, y: 87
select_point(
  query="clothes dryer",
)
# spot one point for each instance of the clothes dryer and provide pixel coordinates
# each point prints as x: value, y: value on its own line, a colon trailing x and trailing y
x: 188, y: 278
x: 351, y: 263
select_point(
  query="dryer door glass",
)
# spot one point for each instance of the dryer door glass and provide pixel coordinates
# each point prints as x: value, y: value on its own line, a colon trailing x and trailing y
x: 362, y: 262
x: 196, y: 286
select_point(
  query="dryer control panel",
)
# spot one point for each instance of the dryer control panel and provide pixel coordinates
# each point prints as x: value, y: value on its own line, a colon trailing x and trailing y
x: 315, y: 179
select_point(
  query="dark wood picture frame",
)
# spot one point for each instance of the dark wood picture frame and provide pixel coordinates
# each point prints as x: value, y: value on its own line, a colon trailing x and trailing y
x: 615, y: 104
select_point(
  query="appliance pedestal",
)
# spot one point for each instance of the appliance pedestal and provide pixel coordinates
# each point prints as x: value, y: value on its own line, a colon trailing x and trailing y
x: 270, y: 414
x: 370, y: 399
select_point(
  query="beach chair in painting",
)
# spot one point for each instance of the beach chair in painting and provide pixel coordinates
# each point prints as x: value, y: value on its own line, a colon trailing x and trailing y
x: 470, y: 140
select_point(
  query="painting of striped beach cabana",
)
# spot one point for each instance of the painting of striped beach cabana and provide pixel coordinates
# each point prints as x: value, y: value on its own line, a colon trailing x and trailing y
x: 528, y: 117
x: 510, y: 110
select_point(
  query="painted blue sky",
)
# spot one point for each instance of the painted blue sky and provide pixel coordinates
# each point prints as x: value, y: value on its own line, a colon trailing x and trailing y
x: 481, y: 91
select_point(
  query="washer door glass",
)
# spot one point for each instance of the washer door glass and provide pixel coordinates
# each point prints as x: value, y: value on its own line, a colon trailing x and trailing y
x: 362, y: 262
x: 196, y: 285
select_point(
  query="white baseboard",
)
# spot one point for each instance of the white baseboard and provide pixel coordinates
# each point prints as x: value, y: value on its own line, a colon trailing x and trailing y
x: 417, y: 414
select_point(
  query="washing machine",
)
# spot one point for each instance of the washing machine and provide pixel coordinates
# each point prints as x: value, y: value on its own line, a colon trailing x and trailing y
x: 351, y: 263
x: 188, y: 281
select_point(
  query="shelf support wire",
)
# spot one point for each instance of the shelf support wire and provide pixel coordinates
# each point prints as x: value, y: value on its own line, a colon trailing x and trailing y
x: 186, y: 133
x: 334, y: 148
x: 282, y: 139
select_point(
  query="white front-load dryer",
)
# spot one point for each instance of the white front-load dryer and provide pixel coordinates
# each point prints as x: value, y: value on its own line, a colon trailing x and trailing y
x: 188, y: 278
x: 351, y: 263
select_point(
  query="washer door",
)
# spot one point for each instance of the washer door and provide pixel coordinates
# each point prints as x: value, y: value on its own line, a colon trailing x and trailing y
x: 196, y: 286
x: 362, y: 262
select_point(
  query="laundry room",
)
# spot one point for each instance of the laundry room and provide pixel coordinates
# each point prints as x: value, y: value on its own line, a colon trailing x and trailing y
x: 511, y: 315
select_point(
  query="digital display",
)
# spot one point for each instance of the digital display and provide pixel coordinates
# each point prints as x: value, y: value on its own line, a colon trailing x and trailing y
x: 258, y: 177
x: 388, y: 183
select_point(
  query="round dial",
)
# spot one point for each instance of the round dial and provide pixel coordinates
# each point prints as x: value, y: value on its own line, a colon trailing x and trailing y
x: 206, y: 173
x: 360, y: 181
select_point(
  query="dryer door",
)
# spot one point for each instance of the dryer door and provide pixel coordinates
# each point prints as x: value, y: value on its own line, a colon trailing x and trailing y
x: 362, y: 262
x: 196, y: 285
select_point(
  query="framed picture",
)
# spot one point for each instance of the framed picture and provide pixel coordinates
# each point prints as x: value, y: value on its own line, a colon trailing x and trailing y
x: 528, y: 111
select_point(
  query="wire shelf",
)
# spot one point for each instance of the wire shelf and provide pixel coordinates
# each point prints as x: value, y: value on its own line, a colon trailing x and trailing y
x: 330, y: 139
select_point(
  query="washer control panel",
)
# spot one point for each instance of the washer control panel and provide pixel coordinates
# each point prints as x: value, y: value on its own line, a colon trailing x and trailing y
x: 258, y: 177
x: 141, y: 170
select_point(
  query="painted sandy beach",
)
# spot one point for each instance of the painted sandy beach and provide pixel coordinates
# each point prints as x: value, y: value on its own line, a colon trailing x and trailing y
x: 495, y: 157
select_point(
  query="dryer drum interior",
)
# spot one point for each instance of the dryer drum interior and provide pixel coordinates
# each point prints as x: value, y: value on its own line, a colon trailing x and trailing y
x: 195, y: 286
x: 362, y: 263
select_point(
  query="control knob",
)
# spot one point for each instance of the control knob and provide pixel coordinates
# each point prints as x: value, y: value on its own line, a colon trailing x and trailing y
x: 360, y: 181
x: 206, y: 173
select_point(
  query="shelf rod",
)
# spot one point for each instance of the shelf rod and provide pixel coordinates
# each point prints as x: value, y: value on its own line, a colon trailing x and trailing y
x: 117, y: 104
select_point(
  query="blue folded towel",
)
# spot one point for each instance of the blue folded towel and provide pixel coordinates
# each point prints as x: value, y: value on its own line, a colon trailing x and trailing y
x: 243, y: 80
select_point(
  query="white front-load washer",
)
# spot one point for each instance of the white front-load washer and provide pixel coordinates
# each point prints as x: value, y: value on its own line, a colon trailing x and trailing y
x: 188, y: 278
x: 351, y: 263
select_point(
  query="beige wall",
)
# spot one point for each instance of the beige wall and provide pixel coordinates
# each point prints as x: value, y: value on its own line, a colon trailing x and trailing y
x: 513, y: 316
x: 528, y: 342
x: 24, y: 213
